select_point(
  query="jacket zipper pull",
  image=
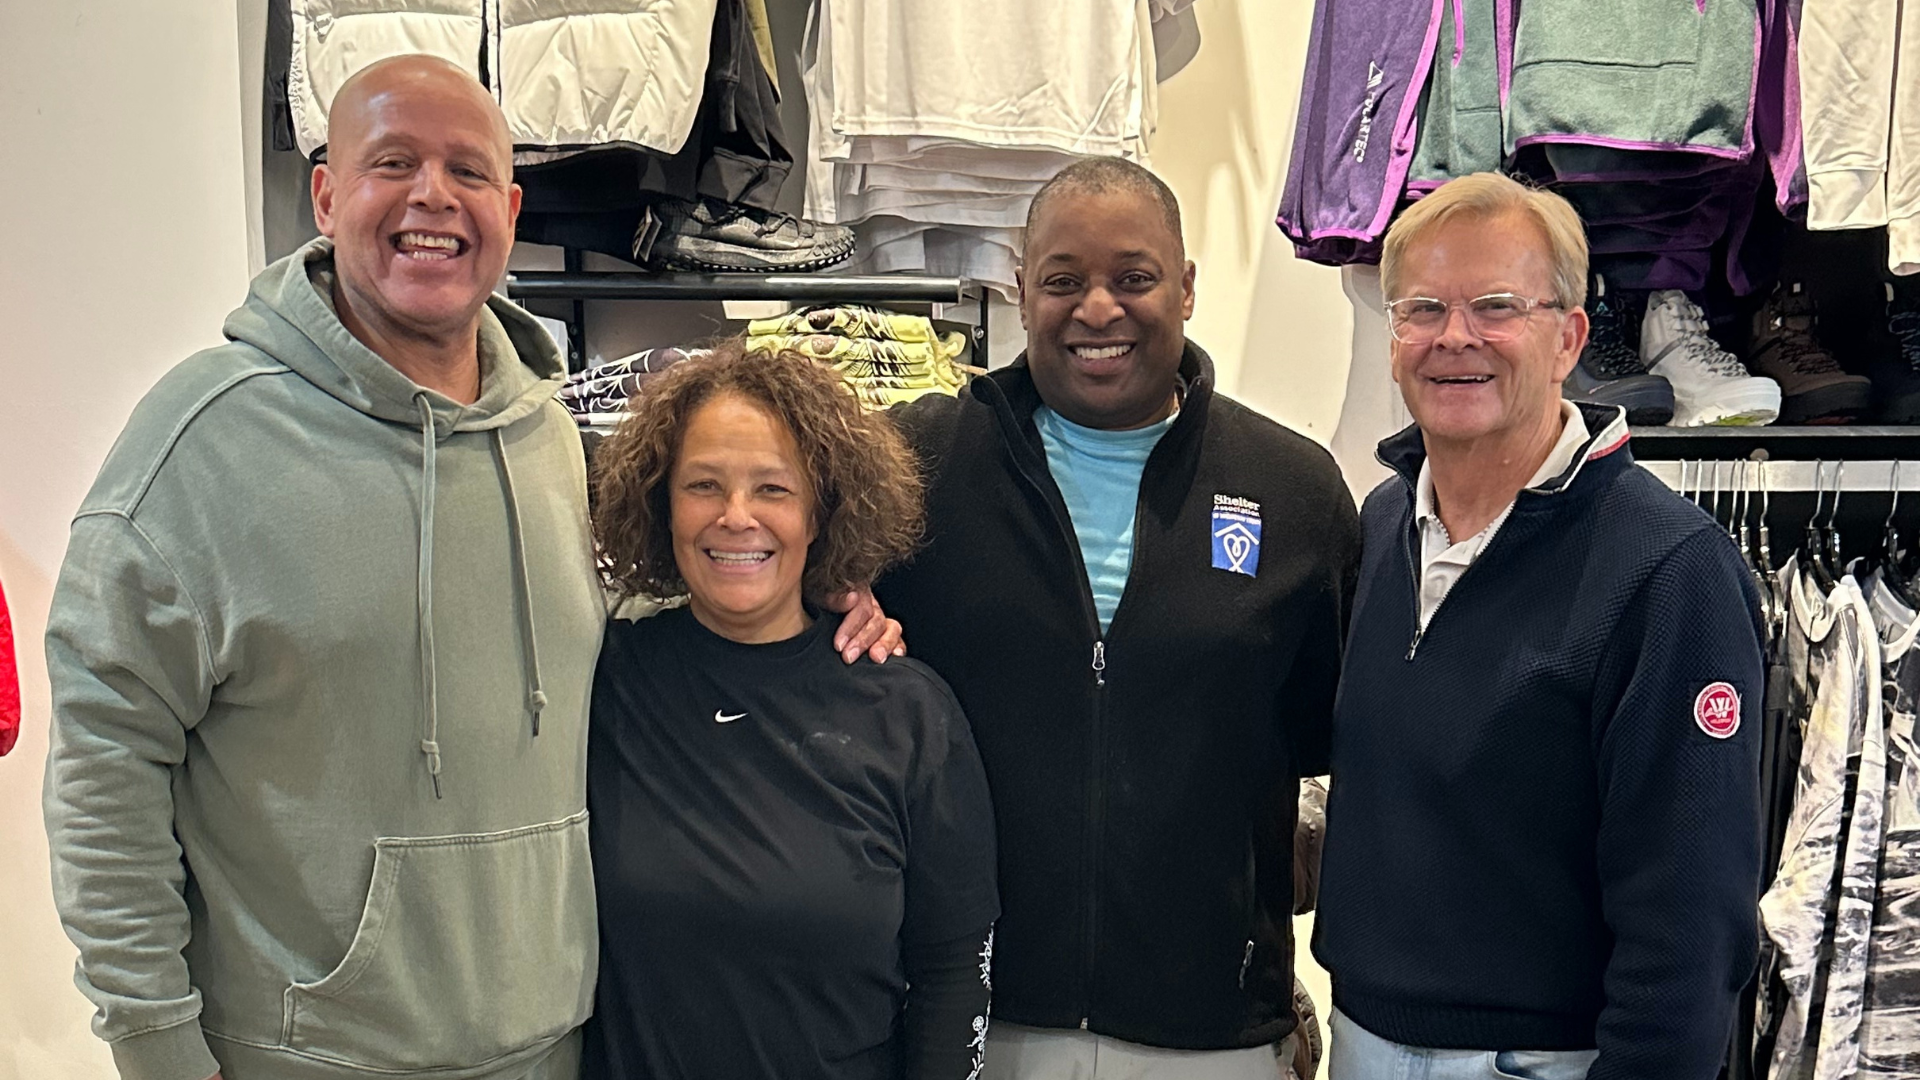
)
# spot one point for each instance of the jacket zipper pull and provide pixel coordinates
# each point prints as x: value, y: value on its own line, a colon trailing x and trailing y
x: 1246, y: 961
x: 1099, y: 663
x: 1415, y: 645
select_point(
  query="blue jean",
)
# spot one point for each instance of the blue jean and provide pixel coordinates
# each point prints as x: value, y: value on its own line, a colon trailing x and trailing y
x: 1354, y: 1053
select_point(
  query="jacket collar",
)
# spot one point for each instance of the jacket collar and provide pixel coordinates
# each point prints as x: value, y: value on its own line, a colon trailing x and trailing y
x: 1011, y: 393
x: 1406, y: 450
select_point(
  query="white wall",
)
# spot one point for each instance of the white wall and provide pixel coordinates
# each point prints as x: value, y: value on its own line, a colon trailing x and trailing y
x: 1286, y: 336
x: 1276, y: 327
x: 130, y: 230
x: 122, y: 247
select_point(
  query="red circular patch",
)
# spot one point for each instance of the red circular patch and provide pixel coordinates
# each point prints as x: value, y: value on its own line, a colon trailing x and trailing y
x: 1717, y: 710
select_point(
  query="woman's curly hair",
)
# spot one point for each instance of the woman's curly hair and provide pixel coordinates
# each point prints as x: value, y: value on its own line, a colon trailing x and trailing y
x: 868, y: 508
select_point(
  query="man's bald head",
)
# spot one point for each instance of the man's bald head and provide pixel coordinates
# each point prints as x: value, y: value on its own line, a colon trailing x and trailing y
x: 417, y: 195
x: 416, y: 75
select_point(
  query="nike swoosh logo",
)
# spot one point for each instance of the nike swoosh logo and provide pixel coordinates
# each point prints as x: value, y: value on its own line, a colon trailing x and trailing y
x: 722, y: 718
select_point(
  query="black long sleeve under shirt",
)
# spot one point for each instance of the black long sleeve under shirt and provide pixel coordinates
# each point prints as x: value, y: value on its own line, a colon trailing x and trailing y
x: 782, y: 845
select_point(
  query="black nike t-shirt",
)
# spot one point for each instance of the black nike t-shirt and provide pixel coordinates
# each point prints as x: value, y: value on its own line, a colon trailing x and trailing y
x: 782, y: 842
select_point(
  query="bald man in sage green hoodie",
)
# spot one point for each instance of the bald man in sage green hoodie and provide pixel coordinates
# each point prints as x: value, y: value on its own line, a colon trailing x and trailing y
x: 321, y: 652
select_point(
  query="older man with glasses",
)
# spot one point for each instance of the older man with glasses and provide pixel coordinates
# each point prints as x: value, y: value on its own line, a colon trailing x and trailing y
x: 1543, y: 846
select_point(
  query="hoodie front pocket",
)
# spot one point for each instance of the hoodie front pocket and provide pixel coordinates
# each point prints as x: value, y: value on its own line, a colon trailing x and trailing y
x: 470, y: 948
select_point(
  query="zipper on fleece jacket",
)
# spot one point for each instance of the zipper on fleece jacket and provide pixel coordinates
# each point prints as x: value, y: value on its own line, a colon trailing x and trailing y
x: 1096, y: 758
x: 1096, y: 779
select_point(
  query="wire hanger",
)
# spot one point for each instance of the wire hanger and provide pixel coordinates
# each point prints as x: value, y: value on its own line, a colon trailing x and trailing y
x: 1766, y: 533
x: 1890, y: 550
x: 1739, y: 519
x: 1773, y: 596
x: 1834, y: 564
x: 1740, y: 529
x: 1812, y: 544
x: 1713, y: 500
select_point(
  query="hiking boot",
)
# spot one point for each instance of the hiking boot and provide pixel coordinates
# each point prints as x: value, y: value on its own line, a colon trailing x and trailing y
x: 1897, y: 374
x: 1610, y: 371
x: 716, y: 237
x: 1710, y: 386
x: 1813, y: 389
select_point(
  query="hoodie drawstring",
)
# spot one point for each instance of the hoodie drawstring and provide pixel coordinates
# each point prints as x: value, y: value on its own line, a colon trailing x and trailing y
x: 536, y: 696
x: 429, y: 684
x: 1459, y: 31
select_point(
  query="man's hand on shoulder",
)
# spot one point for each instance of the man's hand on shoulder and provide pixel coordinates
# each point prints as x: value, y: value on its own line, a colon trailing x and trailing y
x: 866, y: 628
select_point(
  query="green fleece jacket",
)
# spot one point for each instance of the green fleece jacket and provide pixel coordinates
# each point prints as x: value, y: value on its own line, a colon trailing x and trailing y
x: 321, y: 652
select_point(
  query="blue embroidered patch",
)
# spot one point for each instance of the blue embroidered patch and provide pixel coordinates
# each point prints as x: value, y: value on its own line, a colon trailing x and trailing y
x: 1236, y: 535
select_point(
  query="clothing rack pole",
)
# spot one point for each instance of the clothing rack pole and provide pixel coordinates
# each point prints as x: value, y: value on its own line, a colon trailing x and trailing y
x: 577, y: 322
x: 1873, y: 475
x: 576, y: 286
x: 1864, y: 442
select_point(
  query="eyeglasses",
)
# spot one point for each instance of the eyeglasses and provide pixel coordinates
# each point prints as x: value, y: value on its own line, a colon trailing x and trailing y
x: 1417, y: 320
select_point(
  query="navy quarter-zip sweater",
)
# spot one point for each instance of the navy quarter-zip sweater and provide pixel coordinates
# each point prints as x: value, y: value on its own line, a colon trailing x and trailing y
x: 1534, y: 839
x: 1144, y: 780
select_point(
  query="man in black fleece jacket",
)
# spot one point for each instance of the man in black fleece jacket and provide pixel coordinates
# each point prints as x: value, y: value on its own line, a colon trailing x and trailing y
x: 1136, y: 587
x: 1543, y: 846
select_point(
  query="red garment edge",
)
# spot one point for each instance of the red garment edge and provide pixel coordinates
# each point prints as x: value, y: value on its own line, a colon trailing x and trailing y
x: 9, y: 681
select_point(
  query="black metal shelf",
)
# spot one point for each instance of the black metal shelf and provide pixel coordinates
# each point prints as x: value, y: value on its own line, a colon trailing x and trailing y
x: 577, y: 286
x: 823, y: 288
x: 1817, y: 443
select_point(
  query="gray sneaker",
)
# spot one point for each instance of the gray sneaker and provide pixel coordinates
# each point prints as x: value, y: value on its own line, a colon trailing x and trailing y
x: 720, y: 237
x: 1610, y: 371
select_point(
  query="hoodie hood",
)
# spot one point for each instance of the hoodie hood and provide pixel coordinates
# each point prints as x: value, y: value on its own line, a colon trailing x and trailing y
x: 289, y: 314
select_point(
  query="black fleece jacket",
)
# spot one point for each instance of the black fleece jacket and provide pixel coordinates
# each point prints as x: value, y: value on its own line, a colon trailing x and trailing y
x: 1144, y: 780
x: 1542, y: 833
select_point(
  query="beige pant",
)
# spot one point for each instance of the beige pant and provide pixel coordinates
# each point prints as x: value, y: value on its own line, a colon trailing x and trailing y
x: 1023, y: 1053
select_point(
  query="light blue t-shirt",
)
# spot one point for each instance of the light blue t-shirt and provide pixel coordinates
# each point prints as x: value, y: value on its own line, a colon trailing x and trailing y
x: 1098, y: 473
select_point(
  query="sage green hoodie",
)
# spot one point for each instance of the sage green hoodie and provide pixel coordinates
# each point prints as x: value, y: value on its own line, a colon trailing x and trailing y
x: 321, y: 652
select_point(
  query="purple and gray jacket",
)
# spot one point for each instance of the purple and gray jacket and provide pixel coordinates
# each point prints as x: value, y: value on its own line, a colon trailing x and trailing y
x: 1681, y: 78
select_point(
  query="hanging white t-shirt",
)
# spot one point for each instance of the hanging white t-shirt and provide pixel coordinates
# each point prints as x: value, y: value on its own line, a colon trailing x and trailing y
x: 1075, y: 77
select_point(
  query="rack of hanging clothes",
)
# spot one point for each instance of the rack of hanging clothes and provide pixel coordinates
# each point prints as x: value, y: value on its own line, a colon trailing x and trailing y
x: 1832, y: 548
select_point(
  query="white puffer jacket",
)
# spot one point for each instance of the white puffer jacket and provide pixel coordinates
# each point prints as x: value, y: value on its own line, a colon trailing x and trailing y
x: 568, y: 73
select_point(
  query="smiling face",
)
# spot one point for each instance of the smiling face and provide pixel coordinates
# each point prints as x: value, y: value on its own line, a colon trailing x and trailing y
x: 1104, y: 292
x: 1460, y: 388
x: 742, y: 518
x: 418, y: 198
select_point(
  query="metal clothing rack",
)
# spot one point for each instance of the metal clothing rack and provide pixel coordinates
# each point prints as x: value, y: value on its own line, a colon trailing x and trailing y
x: 1847, y: 479
x: 579, y: 286
x: 1849, y: 443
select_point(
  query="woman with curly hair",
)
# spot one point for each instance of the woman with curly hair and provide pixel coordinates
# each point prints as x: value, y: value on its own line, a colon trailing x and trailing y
x: 794, y: 855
